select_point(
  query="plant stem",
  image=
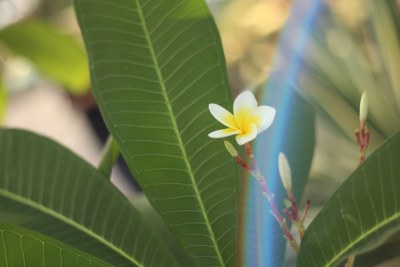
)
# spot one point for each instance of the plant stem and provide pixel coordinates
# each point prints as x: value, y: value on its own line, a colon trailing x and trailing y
x: 109, y: 156
x: 274, y: 210
x: 254, y: 171
x: 350, y: 261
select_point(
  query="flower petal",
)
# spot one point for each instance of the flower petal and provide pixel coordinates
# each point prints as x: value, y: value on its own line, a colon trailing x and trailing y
x: 244, y: 100
x: 243, y: 105
x: 262, y: 116
x: 223, y: 133
x: 241, y: 139
x: 223, y: 116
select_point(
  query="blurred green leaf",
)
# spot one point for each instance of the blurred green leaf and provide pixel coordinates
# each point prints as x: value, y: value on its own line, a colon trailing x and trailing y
x: 342, y: 61
x: 50, y: 190
x: 23, y: 247
x: 388, y: 40
x: 3, y: 101
x: 156, y: 65
x: 360, y: 215
x: 55, y: 54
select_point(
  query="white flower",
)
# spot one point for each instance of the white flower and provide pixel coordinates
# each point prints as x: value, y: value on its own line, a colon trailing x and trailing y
x: 247, y: 119
x: 284, y: 171
x: 364, y: 107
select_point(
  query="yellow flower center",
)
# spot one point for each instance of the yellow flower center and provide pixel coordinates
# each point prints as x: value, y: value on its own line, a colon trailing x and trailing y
x: 244, y: 119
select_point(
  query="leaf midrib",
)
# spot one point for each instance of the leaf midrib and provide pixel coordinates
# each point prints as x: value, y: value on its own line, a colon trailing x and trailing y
x: 365, y: 235
x: 175, y: 127
x: 67, y: 220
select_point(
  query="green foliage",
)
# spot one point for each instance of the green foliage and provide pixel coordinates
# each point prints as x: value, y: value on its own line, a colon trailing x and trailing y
x: 384, y: 21
x: 156, y: 65
x: 3, y: 100
x: 360, y: 215
x: 143, y: 206
x: 48, y: 189
x: 342, y: 61
x: 57, y: 55
x: 22, y: 247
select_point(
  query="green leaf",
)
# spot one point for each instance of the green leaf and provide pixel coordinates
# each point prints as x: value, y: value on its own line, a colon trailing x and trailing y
x: 360, y: 215
x: 388, y: 39
x: 109, y: 157
x: 50, y: 190
x: 55, y: 54
x: 155, y: 67
x: 341, y: 61
x: 23, y: 247
x: 148, y: 212
x: 389, y: 250
x: 3, y: 101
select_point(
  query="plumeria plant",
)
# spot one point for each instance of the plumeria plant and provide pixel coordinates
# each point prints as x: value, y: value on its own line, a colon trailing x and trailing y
x: 158, y: 76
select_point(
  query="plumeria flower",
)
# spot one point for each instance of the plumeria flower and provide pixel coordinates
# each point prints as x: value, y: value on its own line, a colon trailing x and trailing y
x: 247, y: 119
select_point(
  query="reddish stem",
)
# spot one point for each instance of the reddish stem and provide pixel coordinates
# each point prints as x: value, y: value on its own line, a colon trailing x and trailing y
x: 358, y: 137
x: 242, y: 163
x: 253, y: 170
x: 305, y: 211
x: 249, y: 151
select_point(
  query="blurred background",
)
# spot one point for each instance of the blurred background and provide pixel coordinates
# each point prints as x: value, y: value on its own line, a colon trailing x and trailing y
x: 354, y: 46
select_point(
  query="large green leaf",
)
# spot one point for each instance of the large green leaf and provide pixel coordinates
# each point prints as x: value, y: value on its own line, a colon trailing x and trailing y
x: 55, y: 54
x: 22, y: 247
x: 48, y: 189
x: 155, y: 67
x: 148, y: 212
x: 362, y: 213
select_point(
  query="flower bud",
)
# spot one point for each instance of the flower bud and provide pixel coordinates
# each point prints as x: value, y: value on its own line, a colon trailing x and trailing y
x: 284, y: 171
x: 231, y: 149
x: 364, y: 107
x: 287, y: 203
